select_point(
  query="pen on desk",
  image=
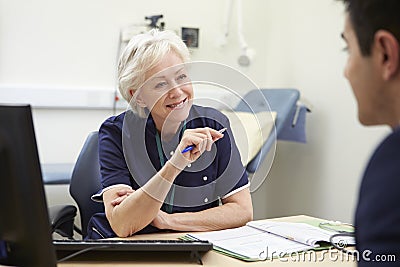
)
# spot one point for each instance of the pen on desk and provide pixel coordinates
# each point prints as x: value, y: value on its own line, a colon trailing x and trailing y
x: 188, y: 148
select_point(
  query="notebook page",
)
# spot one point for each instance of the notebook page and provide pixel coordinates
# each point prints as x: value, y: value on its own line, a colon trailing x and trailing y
x: 249, y: 243
x: 301, y: 232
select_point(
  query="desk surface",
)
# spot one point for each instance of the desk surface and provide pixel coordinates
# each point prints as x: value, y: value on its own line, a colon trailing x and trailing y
x: 211, y: 258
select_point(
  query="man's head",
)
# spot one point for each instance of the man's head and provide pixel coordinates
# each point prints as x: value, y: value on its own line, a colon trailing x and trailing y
x: 369, y: 16
x: 372, y: 34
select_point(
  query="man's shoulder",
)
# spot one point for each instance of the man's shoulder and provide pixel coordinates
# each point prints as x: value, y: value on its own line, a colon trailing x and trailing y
x: 380, y: 183
x: 388, y: 152
x: 378, y: 212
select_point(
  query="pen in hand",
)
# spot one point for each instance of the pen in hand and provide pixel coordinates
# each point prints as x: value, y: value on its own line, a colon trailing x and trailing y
x: 189, y: 148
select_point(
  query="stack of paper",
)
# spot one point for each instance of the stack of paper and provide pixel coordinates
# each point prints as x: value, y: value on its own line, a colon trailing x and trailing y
x: 261, y: 240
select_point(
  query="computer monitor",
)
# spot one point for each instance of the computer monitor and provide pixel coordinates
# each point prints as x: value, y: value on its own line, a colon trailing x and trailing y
x: 25, y: 233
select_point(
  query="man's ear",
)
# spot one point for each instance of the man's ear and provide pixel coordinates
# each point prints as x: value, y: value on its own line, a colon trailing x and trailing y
x: 388, y: 46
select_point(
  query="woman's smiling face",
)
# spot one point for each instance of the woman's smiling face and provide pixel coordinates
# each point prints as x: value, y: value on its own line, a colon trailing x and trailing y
x: 168, y: 92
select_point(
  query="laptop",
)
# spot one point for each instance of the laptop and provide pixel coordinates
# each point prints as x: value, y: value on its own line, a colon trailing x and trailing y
x: 25, y: 233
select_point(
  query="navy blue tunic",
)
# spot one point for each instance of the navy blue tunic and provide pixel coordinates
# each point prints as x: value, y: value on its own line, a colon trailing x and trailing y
x: 129, y: 156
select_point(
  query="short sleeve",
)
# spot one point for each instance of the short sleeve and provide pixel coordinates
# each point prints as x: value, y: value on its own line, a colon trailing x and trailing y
x: 232, y: 176
x: 113, y: 167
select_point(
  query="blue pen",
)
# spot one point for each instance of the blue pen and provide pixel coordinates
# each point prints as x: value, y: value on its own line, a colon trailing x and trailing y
x: 188, y: 148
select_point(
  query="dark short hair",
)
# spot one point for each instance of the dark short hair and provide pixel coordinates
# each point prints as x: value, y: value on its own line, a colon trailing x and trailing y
x: 369, y: 16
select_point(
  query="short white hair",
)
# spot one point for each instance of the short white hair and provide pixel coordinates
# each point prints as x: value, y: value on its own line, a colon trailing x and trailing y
x: 143, y: 52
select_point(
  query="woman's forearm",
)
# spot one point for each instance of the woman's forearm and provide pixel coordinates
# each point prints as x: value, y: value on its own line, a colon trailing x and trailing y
x: 229, y: 215
x: 222, y: 217
x: 141, y: 206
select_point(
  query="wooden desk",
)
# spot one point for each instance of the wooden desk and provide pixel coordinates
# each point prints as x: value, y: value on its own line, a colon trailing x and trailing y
x: 211, y: 258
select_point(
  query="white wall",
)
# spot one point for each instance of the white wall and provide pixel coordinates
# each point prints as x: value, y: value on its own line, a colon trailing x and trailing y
x: 73, y: 44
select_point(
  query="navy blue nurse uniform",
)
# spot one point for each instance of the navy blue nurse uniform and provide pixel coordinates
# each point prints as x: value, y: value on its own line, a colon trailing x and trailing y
x: 129, y: 155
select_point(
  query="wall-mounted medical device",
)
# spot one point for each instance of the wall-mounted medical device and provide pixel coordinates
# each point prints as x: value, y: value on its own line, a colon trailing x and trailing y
x: 246, y: 54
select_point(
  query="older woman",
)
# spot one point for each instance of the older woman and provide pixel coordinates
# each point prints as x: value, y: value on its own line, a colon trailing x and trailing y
x: 201, y: 185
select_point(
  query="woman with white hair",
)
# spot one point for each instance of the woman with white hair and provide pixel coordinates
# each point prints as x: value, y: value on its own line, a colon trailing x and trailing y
x: 200, y: 185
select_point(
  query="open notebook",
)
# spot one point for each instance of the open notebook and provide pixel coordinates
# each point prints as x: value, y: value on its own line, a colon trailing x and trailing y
x: 261, y: 240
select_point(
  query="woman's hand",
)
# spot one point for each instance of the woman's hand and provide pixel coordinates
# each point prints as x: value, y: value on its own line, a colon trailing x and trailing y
x: 122, y: 195
x: 201, y: 139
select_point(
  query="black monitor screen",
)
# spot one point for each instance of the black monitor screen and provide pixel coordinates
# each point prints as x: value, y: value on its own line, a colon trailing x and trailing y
x: 25, y: 235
